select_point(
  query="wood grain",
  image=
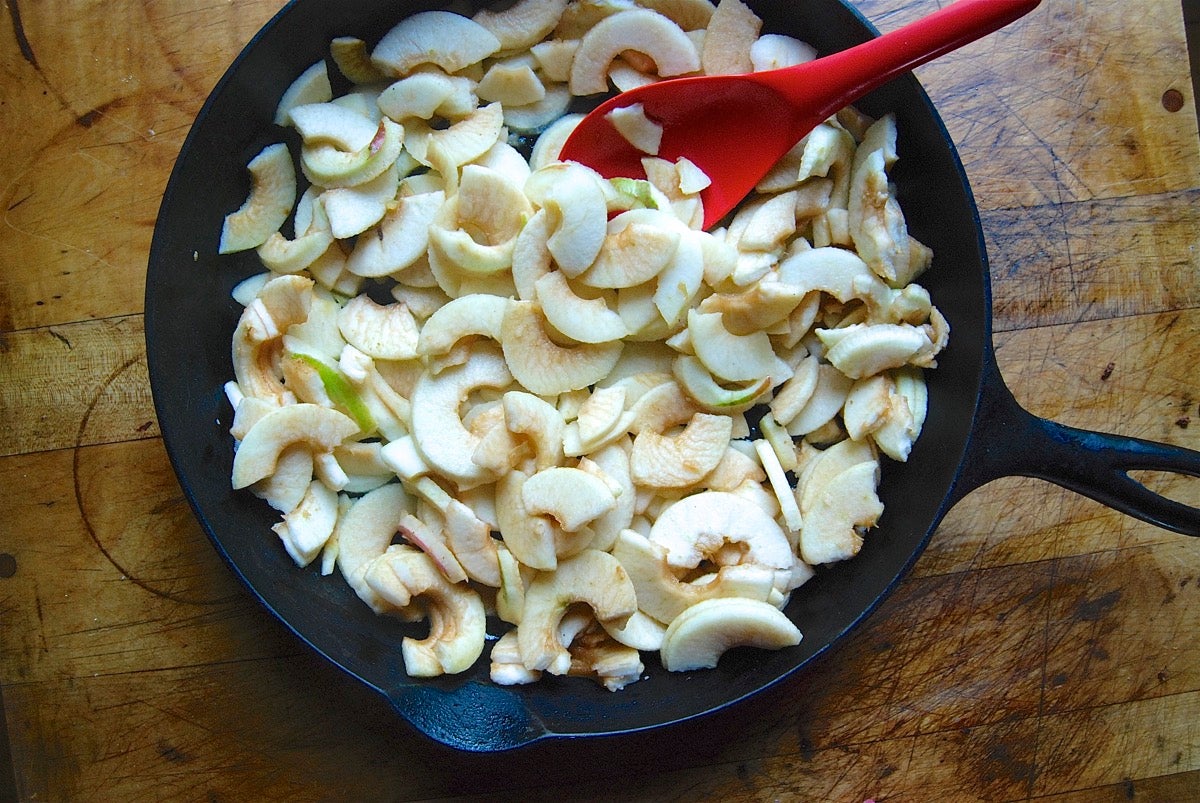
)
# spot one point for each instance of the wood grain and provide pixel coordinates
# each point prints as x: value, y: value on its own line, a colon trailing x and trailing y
x: 1042, y: 648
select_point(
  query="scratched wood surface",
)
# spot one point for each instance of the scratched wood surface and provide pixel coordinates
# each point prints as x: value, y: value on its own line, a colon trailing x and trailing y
x: 1043, y: 648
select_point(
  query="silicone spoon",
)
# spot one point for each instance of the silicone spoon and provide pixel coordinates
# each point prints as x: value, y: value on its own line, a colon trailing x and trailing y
x: 735, y: 127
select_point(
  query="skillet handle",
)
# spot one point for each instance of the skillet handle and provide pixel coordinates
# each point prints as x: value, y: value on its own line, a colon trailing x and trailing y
x: 1010, y: 441
x: 475, y: 717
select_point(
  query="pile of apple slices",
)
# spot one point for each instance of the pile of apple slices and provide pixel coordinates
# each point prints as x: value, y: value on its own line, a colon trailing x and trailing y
x: 478, y: 383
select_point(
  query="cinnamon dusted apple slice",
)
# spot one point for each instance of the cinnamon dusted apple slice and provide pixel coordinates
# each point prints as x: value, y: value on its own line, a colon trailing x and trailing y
x: 272, y: 195
x: 457, y: 630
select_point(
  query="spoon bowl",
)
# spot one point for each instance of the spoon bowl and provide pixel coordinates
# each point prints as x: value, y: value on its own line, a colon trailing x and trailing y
x: 736, y: 127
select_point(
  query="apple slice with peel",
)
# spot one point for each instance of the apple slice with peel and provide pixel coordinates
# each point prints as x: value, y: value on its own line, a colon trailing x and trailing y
x: 272, y: 195
x: 696, y: 380
x: 327, y: 166
x: 734, y: 358
x: 699, y: 636
x: 432, y: 541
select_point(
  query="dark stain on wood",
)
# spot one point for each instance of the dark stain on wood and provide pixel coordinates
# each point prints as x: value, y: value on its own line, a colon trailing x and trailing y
x: 1093, y: 610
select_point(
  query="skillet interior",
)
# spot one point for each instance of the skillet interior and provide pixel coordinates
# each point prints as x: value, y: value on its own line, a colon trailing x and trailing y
x: 190, y: 316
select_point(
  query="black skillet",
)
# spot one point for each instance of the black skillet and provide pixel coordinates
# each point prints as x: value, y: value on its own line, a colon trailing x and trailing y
x: 975, y: 432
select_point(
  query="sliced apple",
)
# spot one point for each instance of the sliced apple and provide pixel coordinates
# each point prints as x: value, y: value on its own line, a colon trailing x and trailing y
x: 712, y: 396
x: 861, y: 350
x: 352, y: 57
x: 638, y: 130
x: 449, y: 40
x: 320, y: 428
x: 571, y: 496
x: 327, y: 166
x: 523, y: 24
x: 425, y: 95
x: 699, y: 636
x: 586, y: 320
x: 511, y: 82
x: 591, y: 577
x: 639, y: 30
x: 399, y: 240
x: 680, y: 460
x: 311, y: 86
x: 697, y: 526
x: 437, y: 427
x: 334, y: 123
x: 573, y: 198
x: 541, y: 365
x: 662, y: 595
x: 272, y: 195
x: 353, y: 210
x: 457, y: 620
x: 734, y: 358
x: 638, y: 245
x: 382, y: 332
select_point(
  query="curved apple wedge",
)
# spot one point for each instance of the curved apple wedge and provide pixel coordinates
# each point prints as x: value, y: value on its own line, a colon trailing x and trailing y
x: 699, y: 636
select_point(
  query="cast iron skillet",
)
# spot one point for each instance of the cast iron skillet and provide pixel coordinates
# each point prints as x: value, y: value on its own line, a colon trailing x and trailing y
x: 975, y: 432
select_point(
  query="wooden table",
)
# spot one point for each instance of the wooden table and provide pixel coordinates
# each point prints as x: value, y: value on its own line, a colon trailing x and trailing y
x: 1044, y: 647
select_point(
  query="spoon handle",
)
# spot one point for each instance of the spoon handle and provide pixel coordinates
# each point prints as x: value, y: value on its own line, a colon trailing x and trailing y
x: 828, y: 84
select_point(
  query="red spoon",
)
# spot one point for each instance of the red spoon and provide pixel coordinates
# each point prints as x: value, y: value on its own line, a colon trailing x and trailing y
x: 735, y: 127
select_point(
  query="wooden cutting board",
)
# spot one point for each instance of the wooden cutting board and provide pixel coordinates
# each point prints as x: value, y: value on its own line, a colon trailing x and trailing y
x: 1044, y: 646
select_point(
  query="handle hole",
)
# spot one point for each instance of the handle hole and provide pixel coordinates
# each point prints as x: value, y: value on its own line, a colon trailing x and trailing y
x: 1178, y: 487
